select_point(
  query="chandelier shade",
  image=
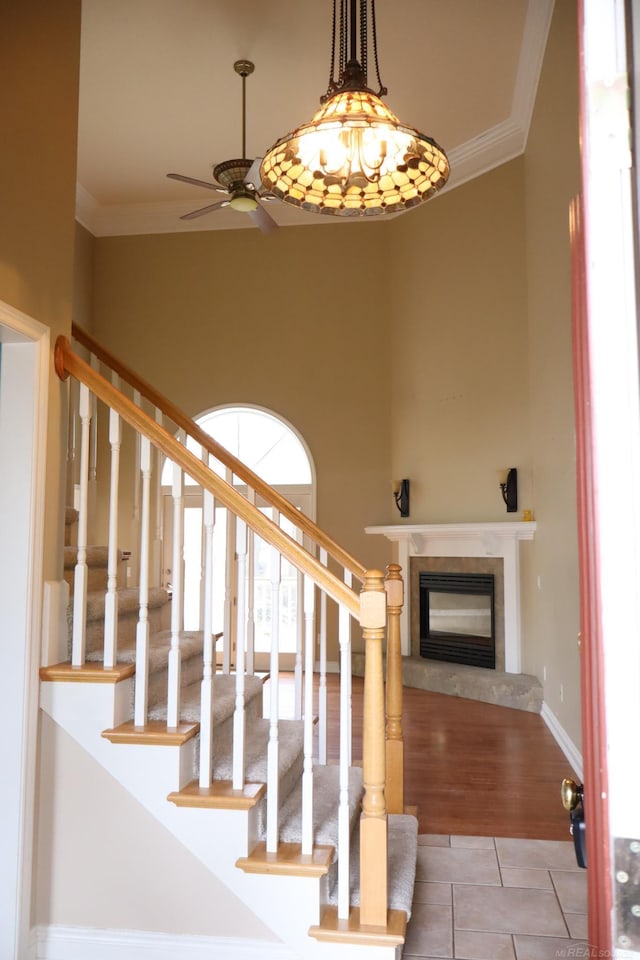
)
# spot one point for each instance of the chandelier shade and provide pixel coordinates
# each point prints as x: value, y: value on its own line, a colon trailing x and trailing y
x: 354, y: 158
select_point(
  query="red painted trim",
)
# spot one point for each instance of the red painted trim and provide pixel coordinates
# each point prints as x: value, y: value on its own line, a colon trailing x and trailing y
x: 592, y: 656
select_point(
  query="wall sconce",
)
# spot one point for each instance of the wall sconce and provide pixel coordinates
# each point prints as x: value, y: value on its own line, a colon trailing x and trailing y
x: 401, y: 496
x: 509, y: 487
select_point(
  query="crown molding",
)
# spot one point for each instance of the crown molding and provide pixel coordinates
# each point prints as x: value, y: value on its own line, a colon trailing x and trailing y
x: 472, y: 159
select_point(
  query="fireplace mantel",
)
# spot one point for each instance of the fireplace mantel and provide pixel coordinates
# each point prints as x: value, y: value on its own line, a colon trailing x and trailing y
x: 467, y: 540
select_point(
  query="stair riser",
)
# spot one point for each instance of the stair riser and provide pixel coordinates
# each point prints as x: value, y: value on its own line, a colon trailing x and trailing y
x: 127, y: 626
x: 97, y: 577
x: 190, y: 672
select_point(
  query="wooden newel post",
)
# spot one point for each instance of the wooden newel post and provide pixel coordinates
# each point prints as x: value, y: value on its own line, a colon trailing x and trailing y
x: 395, y: 741
x: 373, y: 821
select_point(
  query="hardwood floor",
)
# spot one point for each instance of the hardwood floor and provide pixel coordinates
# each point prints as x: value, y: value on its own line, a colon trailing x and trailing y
x: 472, y: 769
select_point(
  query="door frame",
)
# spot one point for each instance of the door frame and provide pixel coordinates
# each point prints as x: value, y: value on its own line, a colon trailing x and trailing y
x: 24, y: 383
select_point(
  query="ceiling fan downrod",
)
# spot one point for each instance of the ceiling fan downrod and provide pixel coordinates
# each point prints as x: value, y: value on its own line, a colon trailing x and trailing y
x: 244, y: 68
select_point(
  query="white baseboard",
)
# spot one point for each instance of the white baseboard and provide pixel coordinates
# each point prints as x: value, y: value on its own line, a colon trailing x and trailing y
x: 563, y: 739
x: 332, y: 666
x: 57, y: 942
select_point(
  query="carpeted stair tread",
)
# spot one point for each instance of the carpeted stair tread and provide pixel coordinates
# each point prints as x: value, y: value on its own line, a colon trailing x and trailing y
x: 402, y: 855
x: 326, y: 791
x: 224, y: 698
x: 290, y: 737
x: 159, y: 646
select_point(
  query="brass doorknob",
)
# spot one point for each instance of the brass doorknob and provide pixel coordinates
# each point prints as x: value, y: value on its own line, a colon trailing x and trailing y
x: 571, y: 794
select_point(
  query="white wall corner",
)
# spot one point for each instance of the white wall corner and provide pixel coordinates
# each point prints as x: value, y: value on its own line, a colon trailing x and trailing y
x: 87, y: 209
x: 534, y: 44
x: 55, y: 634
x: 563, y: 739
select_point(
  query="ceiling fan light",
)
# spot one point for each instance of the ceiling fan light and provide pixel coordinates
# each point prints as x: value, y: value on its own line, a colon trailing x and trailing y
x: 244, y: 202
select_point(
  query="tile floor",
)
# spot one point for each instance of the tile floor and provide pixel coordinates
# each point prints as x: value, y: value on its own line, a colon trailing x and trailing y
x: 485, y: 898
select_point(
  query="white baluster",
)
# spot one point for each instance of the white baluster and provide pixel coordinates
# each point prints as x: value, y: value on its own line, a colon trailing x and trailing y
x: 72, y: 440
x: 229, y: 578
x: 135, y: 511
x: 208, y: 651
x: 348, y: 678
x: 322, y: 683
x: 307, y: 771
x: 142, y: 629
x: 81, y: 571
x: 177, y: 581
x: 241, y: 626
x: 297, y: 670
x: 251, y: 592
x: 156, y: 552
x: 274, y: 682
x: 92, y: 494
x: 344, y: 830
x: 111, y: 596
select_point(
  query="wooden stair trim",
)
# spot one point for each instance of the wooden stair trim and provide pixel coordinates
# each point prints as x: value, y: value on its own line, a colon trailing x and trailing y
x: 288, y: 860
x: 333, y: 930
x: 88, y: 673
x: 154, y: 733
x: 219, y: 796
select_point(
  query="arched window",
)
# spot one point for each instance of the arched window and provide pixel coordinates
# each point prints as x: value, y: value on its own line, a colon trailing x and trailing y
x: 264, y: 442
x: 272, y: 448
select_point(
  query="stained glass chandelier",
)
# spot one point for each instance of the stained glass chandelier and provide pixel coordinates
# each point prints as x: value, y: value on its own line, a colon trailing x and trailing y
x: 354, y: 158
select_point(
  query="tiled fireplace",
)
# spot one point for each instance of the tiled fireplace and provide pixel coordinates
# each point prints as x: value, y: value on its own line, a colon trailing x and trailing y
x: 467, y: 548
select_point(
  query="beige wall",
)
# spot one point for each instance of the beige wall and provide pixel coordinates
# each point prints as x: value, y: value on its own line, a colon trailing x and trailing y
x: 39, y: 109
x: 482, y: 367
x: 297, y: 323
x: 551, y: 179
x: 460, y: 379
x: 83, y: 278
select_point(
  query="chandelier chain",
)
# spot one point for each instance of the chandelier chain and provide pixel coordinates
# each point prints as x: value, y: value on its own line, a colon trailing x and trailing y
x: 382, y: 89
x: 363, y: 38
x: 330, y: 83
x: 343, y: 41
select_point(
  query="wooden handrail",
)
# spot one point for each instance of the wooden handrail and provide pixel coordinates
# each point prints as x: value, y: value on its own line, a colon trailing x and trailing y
x: 181, y: 419
x: 67, y: 362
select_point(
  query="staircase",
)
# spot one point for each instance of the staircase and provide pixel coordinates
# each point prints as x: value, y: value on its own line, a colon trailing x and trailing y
x: 323, y: 854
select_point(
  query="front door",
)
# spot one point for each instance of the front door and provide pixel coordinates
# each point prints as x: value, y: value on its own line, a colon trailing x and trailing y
x: 605, y: 241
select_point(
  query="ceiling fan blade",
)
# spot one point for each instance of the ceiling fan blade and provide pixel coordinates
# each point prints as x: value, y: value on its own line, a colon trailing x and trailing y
x: 203, y: 210
x: 263, y: 220
x: 197, y: 183
x: 253, y: 174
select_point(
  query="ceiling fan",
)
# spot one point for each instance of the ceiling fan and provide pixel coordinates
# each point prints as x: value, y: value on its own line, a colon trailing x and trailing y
x: 239, y: 178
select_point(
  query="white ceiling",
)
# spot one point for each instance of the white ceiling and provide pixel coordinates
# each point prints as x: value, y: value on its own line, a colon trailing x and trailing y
x: 158, y: 93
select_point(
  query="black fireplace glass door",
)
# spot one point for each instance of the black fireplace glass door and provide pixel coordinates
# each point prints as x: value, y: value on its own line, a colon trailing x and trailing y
x: 457, y: 618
